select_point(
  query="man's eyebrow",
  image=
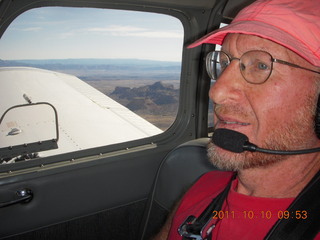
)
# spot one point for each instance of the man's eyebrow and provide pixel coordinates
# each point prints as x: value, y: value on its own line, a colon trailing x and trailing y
x: 256, y: 48
x: 227, y: 52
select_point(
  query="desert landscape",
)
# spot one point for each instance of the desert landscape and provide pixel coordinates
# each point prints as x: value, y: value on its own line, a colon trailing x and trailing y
x: 148, y: 88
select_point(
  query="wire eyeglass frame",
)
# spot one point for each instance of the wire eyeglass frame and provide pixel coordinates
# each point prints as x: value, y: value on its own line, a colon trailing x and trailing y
x: 255, y: 66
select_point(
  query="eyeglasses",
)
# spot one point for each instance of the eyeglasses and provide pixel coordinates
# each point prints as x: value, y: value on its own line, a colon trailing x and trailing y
x: 255, y: 66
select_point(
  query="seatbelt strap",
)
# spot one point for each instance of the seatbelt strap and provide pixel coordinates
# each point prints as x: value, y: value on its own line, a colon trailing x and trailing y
x: 192, y: 226
x: 304, y: 212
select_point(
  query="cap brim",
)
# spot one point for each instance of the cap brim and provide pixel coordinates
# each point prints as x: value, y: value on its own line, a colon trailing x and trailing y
x: 262, y: 30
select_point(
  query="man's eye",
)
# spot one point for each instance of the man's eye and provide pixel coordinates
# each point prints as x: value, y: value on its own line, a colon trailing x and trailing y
x: 262, y: 66
x: 242, y: 67
x: 224, y: 64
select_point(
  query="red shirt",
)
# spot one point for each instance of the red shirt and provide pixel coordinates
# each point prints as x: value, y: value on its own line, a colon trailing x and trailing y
x: 241, y: 217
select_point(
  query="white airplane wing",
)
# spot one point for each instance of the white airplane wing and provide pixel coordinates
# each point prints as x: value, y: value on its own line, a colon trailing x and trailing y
x: 87, y: 118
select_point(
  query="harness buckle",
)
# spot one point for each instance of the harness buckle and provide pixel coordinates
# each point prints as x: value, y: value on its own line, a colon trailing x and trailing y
x: 189, y: 229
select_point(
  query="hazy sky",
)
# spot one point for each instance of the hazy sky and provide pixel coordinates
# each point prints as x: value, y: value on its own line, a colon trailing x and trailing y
x: 59, y: 33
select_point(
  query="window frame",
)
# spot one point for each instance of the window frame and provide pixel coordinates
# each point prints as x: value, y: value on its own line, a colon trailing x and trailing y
x: 188, y: 124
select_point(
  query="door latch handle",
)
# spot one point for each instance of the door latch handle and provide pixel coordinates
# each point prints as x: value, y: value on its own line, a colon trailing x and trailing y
x: 24, y: 195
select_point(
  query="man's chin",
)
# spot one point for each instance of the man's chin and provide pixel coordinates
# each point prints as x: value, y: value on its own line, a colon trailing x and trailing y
x: 223, y: 159
x: 229, y: 161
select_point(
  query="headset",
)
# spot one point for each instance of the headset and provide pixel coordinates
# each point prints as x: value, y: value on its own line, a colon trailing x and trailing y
x: 317, y: 119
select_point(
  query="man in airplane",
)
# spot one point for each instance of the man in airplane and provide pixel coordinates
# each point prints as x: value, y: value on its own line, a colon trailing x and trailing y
x: 267, y: 92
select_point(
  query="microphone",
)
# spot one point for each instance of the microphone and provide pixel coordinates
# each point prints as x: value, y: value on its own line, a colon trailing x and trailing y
x: 237, y: 142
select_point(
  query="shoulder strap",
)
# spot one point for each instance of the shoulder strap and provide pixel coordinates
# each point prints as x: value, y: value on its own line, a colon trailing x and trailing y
x: 192, y: 227
x: 304, y: 213
x: 216, y: 204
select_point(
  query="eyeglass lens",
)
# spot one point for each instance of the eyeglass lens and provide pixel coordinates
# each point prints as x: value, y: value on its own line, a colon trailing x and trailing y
x: 255, y: 66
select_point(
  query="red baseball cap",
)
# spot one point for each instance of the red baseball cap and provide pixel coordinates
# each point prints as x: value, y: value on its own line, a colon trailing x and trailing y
x: 291, y: 23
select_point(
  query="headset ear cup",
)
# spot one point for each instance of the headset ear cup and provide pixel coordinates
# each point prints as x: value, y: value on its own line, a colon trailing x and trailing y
x: 317, y: 119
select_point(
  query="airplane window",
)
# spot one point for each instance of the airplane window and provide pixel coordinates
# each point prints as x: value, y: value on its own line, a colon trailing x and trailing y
x: 112, y: 75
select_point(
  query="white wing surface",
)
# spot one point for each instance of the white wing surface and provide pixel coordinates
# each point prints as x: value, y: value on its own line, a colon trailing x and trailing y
x: 87, y: 118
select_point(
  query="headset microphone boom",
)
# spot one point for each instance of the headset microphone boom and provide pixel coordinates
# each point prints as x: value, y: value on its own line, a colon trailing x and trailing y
x: 237, y: 142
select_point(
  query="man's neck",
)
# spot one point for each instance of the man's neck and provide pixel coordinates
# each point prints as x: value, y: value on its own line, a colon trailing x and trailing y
x: 285, y: 179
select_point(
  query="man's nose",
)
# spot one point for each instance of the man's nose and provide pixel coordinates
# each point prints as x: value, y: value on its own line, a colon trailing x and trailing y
x: 229, y: 85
